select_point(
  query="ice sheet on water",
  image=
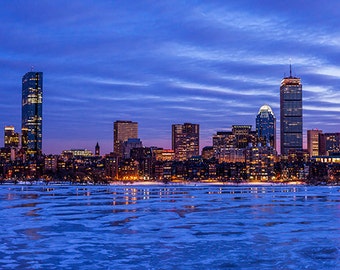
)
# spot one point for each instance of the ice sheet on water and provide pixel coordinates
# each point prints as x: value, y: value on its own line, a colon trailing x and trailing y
x: 169, y: 227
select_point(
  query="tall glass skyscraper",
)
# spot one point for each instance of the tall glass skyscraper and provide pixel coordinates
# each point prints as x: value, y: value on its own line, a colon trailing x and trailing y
x: 266, y: 126
x: 32, y: 86
x: 290, y: 114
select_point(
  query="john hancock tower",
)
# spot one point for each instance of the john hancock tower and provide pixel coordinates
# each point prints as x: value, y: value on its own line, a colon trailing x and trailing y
x: 291, y: 114
x: 32, y: 85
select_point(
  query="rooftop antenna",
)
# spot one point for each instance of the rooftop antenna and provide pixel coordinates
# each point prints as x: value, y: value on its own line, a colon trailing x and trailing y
x: 290, y: 67
x: 32, y: 68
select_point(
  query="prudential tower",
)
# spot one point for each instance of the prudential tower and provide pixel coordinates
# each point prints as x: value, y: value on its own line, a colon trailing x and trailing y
x: 290, y: 114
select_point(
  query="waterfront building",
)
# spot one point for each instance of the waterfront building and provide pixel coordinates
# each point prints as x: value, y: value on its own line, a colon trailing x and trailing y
x: 313, y: 142
x: 185, y: 140
x: 162, y: 170
x: 51, y: 163
x: 145, y: 159
x: 11, y: 138
x: 122, y: 131
x: 260, y: 162
x: 32, y: 90
x: 290, y: 114
x: 266, y: 126
x: 128, y: 170
x: 329, y: 144
x: 111, y: 166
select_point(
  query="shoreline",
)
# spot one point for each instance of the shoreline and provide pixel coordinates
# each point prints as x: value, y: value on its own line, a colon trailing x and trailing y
x: 155, y: 183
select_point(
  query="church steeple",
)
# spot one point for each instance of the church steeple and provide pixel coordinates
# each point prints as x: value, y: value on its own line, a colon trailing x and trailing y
x: 97, y: 150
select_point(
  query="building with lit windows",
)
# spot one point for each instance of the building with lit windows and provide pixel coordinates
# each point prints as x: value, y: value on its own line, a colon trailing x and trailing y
x: 329, y: 144
x: 161, y: 154
x: 313, y: 142
x: 229, y: 146
x: 244, y: 135
x: 290, y: 114
x: 122, y: 131
x: 11, y: 138
x: 266, y: 126
x: 32, y: 90
x: 77, y: 153
x: 260, y: 162
x: 185, y: 140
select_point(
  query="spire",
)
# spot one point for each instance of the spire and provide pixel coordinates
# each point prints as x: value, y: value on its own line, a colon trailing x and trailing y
x: 290, y: 67
x: 97, y: 150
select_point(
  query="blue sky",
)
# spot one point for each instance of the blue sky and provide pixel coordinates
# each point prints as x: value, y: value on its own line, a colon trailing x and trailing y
x: 214, y: 63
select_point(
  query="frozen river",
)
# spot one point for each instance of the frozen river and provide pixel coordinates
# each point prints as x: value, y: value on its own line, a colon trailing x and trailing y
x: 169, y: 227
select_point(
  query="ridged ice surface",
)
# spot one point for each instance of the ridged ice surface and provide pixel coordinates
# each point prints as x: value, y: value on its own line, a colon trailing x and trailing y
x: 169, y: 227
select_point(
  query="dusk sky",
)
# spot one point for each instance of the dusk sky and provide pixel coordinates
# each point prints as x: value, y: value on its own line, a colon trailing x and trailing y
x: 214, y: 63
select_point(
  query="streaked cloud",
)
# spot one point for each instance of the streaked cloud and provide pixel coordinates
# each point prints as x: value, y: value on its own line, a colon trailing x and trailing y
x: 210, y: 62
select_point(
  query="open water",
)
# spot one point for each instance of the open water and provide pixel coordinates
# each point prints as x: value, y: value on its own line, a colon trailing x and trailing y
x: 169, y: 227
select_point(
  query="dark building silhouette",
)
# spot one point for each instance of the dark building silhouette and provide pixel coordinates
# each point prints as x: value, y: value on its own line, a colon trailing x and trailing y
x: 97, y: 150
x: 291, y: 114
x: 208, y: 152
x: 32, y: 90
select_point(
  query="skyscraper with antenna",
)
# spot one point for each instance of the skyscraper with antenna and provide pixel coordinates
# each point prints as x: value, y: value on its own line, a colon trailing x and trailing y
x: 290, y: 114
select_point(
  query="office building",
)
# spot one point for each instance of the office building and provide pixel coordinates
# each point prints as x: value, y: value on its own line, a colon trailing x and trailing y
x: 229, y: 146
x: 266, y: 126
x: 32, y: 89
x: 244, y: 135
x: 291, y: 114
x: 130, y: 144
x: 185, y: 140
x: 11, y: 138
x: 122, y: 131
x: 313, y: 142
x: 329, y: 144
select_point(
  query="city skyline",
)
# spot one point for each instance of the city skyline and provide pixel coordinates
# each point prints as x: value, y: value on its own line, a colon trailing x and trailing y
x: 214, y: 64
